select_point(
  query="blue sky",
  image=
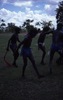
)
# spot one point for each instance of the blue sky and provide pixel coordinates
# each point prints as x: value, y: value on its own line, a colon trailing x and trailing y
x: 17, y: 11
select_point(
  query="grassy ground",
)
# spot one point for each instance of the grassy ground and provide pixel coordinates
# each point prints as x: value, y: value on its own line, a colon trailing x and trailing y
x: 13, y: 87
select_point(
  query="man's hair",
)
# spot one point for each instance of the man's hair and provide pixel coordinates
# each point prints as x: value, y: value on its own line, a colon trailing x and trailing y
x: 46, y: 28
x: 17, y: 29
x: 33, y: 31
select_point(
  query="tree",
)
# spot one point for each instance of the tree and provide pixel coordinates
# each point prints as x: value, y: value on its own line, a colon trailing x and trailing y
x: 59, y: 12
x: 44, y: 24
x: 11, y: 27
x: 2, y: 25
x: 27, y: 24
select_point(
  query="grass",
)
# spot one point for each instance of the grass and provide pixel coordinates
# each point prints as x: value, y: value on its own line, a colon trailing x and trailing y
x: 11, y: 72
x: 12, y: 87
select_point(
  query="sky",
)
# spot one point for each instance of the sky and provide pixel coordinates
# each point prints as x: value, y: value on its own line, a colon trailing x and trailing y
x: 17, y: 11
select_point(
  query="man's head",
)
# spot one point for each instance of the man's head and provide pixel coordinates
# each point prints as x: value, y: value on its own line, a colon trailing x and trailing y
x: 17, y: 30
x: 46, y: 29
x: 33, y: 32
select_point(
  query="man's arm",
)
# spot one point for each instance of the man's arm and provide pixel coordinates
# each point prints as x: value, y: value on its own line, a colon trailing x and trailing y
x: 21, y: 43
x: 8, y: 45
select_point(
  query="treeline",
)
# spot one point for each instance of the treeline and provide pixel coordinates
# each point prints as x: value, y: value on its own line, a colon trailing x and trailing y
x: 9, y: 28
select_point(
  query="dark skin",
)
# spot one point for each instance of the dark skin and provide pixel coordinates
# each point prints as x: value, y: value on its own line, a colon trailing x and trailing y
x: 41, y: 45
x: 12, y: 43
x: 55, y: 41
x: 26, y: 44
x: 59, y: 61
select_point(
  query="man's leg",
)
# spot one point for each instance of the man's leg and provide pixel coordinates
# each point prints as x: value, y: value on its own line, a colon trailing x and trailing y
x: 31, y: 58
x: 44, y: 53
x: 15, y: 58
x: 15, y: 54
x: 50, y: 60
x: 24, y: 66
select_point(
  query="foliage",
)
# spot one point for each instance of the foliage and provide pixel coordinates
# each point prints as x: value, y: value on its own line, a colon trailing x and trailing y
x: 2, y: 25
x: 11, y: 27
x: 45, y: 24
x: 27, y: 24
x: 59, y: 12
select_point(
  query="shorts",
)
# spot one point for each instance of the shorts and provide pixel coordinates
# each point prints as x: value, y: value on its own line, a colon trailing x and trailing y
x: 56, y: 47
x: 25, y: 51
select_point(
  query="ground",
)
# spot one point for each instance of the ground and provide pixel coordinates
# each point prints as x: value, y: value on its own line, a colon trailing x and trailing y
x: 13, y: 87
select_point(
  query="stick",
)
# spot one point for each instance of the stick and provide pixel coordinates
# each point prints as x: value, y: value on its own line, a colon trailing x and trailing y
x: 6, y: 60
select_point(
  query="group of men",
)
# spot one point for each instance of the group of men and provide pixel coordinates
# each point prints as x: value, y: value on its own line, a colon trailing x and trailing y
x: 56, y: 46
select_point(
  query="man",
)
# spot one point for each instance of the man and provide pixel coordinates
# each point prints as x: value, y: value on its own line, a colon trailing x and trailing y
x: 55, y: 46
x: 26, y: 51
x: 41, y: 44
x: 12, y: 44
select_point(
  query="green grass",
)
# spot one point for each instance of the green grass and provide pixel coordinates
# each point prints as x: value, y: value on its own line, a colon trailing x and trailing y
x: 12, y: 87
x: 10, y: 72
